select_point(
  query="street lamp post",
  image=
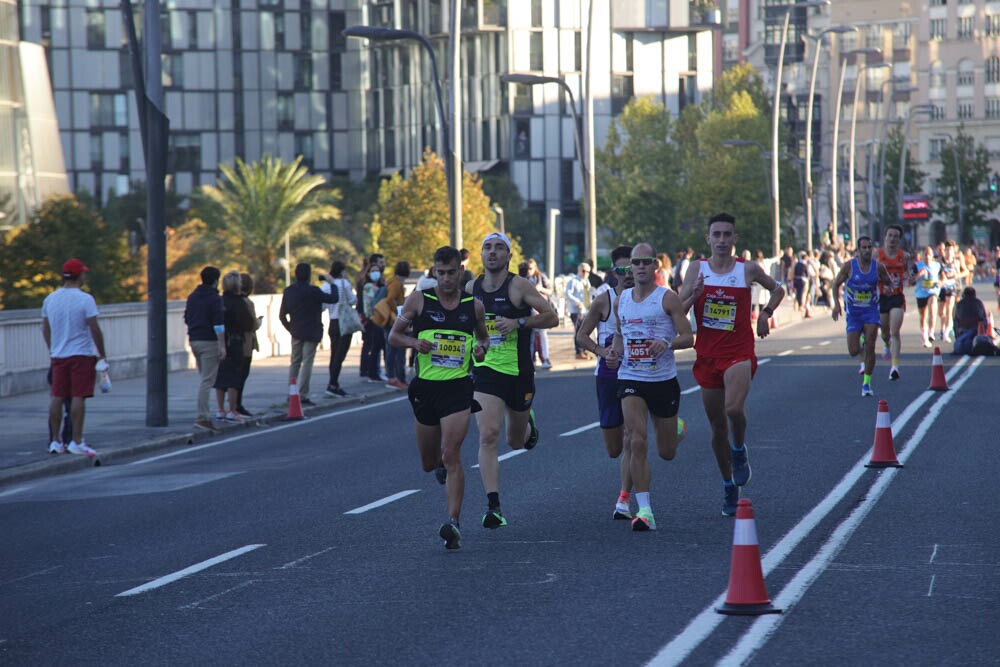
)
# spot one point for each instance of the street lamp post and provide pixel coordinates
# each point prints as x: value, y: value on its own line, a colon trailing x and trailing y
x: 776, y: 113
x: 958, y: 182
x: 903, y: 151
x: 590, y: 247
x: 838, y: 29
x: 879, y: 175
x: 498, y: 210
x: 550, y: 245
x: 852, y: 203
x: 451, y: 168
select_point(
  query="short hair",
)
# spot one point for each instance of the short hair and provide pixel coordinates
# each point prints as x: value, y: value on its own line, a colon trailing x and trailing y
x: 621, y: 252
x: 898, y: 228
x: 465, y: 253
x: 446, y: 255
x: 969, y: 293
x: 303, y: 272
x: 374, y: 257
x: 246, y: 283
x: 865, y: 238
x: 522, y: 269
x: 210, y: 275
x: 402, y: 269
x: 722, y: 216
x: 231, y: 282
x: 337, y: 269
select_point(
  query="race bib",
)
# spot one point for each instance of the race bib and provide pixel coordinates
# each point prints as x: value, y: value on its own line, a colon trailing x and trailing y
x: 496, y: 338
x: 861, y: 299
x: 719, y: 314
x: 927, y: 283
x: 449, y: 350
x: 638, y: 355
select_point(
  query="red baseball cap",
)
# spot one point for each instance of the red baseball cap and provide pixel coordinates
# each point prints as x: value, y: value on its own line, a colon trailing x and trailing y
x: 73, y: 267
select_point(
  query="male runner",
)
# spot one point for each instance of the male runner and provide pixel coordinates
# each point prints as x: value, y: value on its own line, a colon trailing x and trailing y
x: 892, y: 301
x: 505, y: 380
x: 720, y: 289
x: 609, y: 406
x: 861, y: 277
x: 651, y: 324
x: 444, y: 319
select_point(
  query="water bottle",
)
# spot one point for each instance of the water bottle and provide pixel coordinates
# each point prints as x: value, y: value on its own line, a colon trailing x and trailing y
x: 105, y: 382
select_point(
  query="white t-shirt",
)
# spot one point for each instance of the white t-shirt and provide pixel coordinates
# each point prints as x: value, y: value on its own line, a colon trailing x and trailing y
x: 67, y: 310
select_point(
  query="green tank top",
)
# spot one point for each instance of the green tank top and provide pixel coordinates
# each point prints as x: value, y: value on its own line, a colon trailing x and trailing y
x: 509, y: 353
x: 451, y: 332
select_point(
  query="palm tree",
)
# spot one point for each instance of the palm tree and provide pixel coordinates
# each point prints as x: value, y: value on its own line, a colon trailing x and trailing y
x: 258, y: 204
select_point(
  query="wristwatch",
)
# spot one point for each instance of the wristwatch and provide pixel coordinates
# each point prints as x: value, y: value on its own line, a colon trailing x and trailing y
x: 767, y: 310
x: 520, y: 322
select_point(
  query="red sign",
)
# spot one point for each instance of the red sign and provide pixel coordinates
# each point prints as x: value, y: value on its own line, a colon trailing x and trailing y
x: 916, y: 207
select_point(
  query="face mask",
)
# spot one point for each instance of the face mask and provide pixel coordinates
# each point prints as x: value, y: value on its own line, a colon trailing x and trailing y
x: 374, y: 275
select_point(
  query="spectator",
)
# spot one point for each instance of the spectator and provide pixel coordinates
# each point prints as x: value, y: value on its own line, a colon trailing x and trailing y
x: 206, y: 335
x: 578, y: 291
x: 76, y: 347
x: 467, y: 275
x: 395, y: 295
x: 427, y: 280
x: 540, y: 340
x: 239, y: 324
x: 373, y: 338
x: 680, y: 268
x: 301, y: 314
x: 788, y: 271
x: 664, y: 268
x: 970, y: 312
x: 801, y: 276
x: 250, y: 343
x: 340, y: 342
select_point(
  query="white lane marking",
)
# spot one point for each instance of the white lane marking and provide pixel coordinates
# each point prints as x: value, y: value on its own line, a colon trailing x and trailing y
x: 824, y: 342
x: 197, y: 567
x: 384, y: 501
x: 198, y: 603
x: 265, y: 431
x: 33, y: 574
x: 298, y: 561
x: 806, y: 347
x: 702, y: 625
x: 580, y: 430
x: 786, y: 353
x: 931, y: 588
x: 691, y: 390
x: 933, y: 555
x: 758, y: 634
x: 509, y: 455
x: 765, y: 360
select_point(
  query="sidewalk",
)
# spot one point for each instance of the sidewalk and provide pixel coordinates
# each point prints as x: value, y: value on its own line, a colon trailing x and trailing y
x: 115, y: 423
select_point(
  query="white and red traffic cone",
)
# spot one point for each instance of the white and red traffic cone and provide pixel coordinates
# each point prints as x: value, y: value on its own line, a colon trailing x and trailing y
x: 747, y: 595
x: 294, y: 402
x: 938, y: 381
x: 883, y: 451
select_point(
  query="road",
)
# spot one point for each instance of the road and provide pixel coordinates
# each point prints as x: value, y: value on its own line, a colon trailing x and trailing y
x: 316, y: 542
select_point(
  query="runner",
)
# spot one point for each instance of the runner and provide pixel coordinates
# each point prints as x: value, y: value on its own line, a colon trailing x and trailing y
x: 609, y: 406
x: 505, y: 380
x: 926, y: 291
x: 719, y: 288
x: 651, y: 324
x: 444, y: 319
x: 860, y: 278
x: 892, y: 301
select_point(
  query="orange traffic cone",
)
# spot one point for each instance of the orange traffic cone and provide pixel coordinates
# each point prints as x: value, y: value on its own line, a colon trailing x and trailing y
x: 938, y: 383
x: 294, y: 402
x: 747, y: 595
x: 883, y: 451
x: 772, y: 323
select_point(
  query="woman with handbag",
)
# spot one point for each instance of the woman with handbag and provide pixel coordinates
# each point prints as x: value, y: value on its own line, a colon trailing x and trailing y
x: 344, y: 321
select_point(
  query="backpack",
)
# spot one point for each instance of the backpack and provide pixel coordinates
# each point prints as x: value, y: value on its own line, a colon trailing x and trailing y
x: 982, y: 346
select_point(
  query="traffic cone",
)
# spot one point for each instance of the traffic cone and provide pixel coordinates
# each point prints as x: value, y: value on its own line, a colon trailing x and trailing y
x: 747, y: 595
x: 883, y: 451
x: 294, y: 402
x: 938, y: 383
x: 772, y: 323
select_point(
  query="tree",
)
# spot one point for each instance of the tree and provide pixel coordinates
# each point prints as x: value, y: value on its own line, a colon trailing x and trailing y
x: 412, y: 217
x: 974, y: 171
x: 255, y: 205
x: 913, y: 181
x: 518, y: 222
x: 128, y: 212
x: 64, y: 227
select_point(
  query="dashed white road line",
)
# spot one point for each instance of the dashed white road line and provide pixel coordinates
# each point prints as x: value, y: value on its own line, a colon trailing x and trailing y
x: 197, y: 567
x: 824, y: 342
x: 577, y: 431
x: 786, y: 353
x: 384, y: 501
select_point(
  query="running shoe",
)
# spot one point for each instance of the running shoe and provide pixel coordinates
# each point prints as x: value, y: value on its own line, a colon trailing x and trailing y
x: 930, y: 337
x: 493, y: 519
x: 243, y: 411
x: 741, y: 465
x: 730, y: 499
x: 643, y: 520
x: 861, y: 369
x: 220, y: 416
x: 886, y: 353
x: 622, y: 512
x: 866, y: 390
x: 307, y: 401
x: 234, y: 418
x: 82, y: 449
x: 451, y: 536
x: 894, y: 374
x: 545, y: 365
x: 56, y: 447
x: 533, y: 438
x: 441, y: 473
x: 949, y: 336
x: 682, y: 429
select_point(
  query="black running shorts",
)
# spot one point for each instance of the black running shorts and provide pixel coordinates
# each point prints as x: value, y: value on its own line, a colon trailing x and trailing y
x: 517, y: 391
x: 432, y: 400
x: 663, y: 399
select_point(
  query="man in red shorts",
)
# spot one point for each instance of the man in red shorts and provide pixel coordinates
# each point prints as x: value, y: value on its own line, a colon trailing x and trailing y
x: 892, y: 301
x: 719, y: 288
x: 76, y: 345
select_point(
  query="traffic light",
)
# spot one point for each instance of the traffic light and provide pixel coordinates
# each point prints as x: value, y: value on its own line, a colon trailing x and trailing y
x: 994, y: 184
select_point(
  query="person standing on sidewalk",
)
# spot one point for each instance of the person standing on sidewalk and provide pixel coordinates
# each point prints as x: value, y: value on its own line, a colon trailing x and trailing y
x: 395, y: 294
x: 544, y: 287
x: 76, y: 347
x: 250, y: 342
x: 204, y: 317
x: 301, y: 313
x: 578, y: 294
x: 339, y: 343
x: 239, y: 324
x: 719, y: 290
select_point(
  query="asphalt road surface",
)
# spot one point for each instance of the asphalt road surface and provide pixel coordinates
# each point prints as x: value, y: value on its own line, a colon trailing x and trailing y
x: 316, y: 542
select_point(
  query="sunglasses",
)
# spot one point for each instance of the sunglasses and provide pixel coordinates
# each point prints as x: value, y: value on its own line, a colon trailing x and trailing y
x: 645, y: 261
x: 623, y: 270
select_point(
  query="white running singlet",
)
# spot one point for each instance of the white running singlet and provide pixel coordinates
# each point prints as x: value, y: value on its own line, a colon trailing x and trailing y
x: 642, y: 323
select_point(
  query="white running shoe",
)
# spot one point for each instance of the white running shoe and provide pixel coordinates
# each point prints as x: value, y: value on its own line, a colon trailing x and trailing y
x: 56, y: 447
x: 234, y: 417
x: 81, y: 448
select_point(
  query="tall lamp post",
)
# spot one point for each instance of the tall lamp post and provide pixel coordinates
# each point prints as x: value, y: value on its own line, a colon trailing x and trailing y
x: 958, y: 182
x: 876, y: 141
x: 852, y: 203
x: 903, y: 151
x: 776, y: 113
x: 452, y: 170
x: 879, y: 174
x: 590, y: 247
x: 835, y: 30
x: 498, y: 210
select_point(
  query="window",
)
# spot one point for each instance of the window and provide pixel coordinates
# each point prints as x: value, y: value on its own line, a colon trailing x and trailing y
x: 304, y: 147
x: 535, y: 56
x: 279, y: 31
x: 338, y: 21
x: 95, y: 29
x: 901, y: 36
x: 172, y: 72
x: 125, y: 68
x: 107, y: 110
x: 96, y: 152
x: 184, y: 153
x: 938, y: 27
x: 522, y: 99
x: 938, y: 3
x: 286, y: 111
x: 193, y: 29
x: 303, y: 71
x: 621, y: 92
x: 937, y: 112
x: 165, y: 41
x: 336, y: 76
x: 522, y: 139
x: 873, y: 37
x: 687, y: 91
x: 123, y: 151
x: 965, y: 27
x: 993, y: 69
x: 991, y: 25
x: 577, y: 51
x: 993, y: 107
x: 566, y: 180
x: 965, y: 110
x: 966, y: 75
x: 305, y: 28
x: 536, y: 13
x: 935, y: 148
x: 937, y: 76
